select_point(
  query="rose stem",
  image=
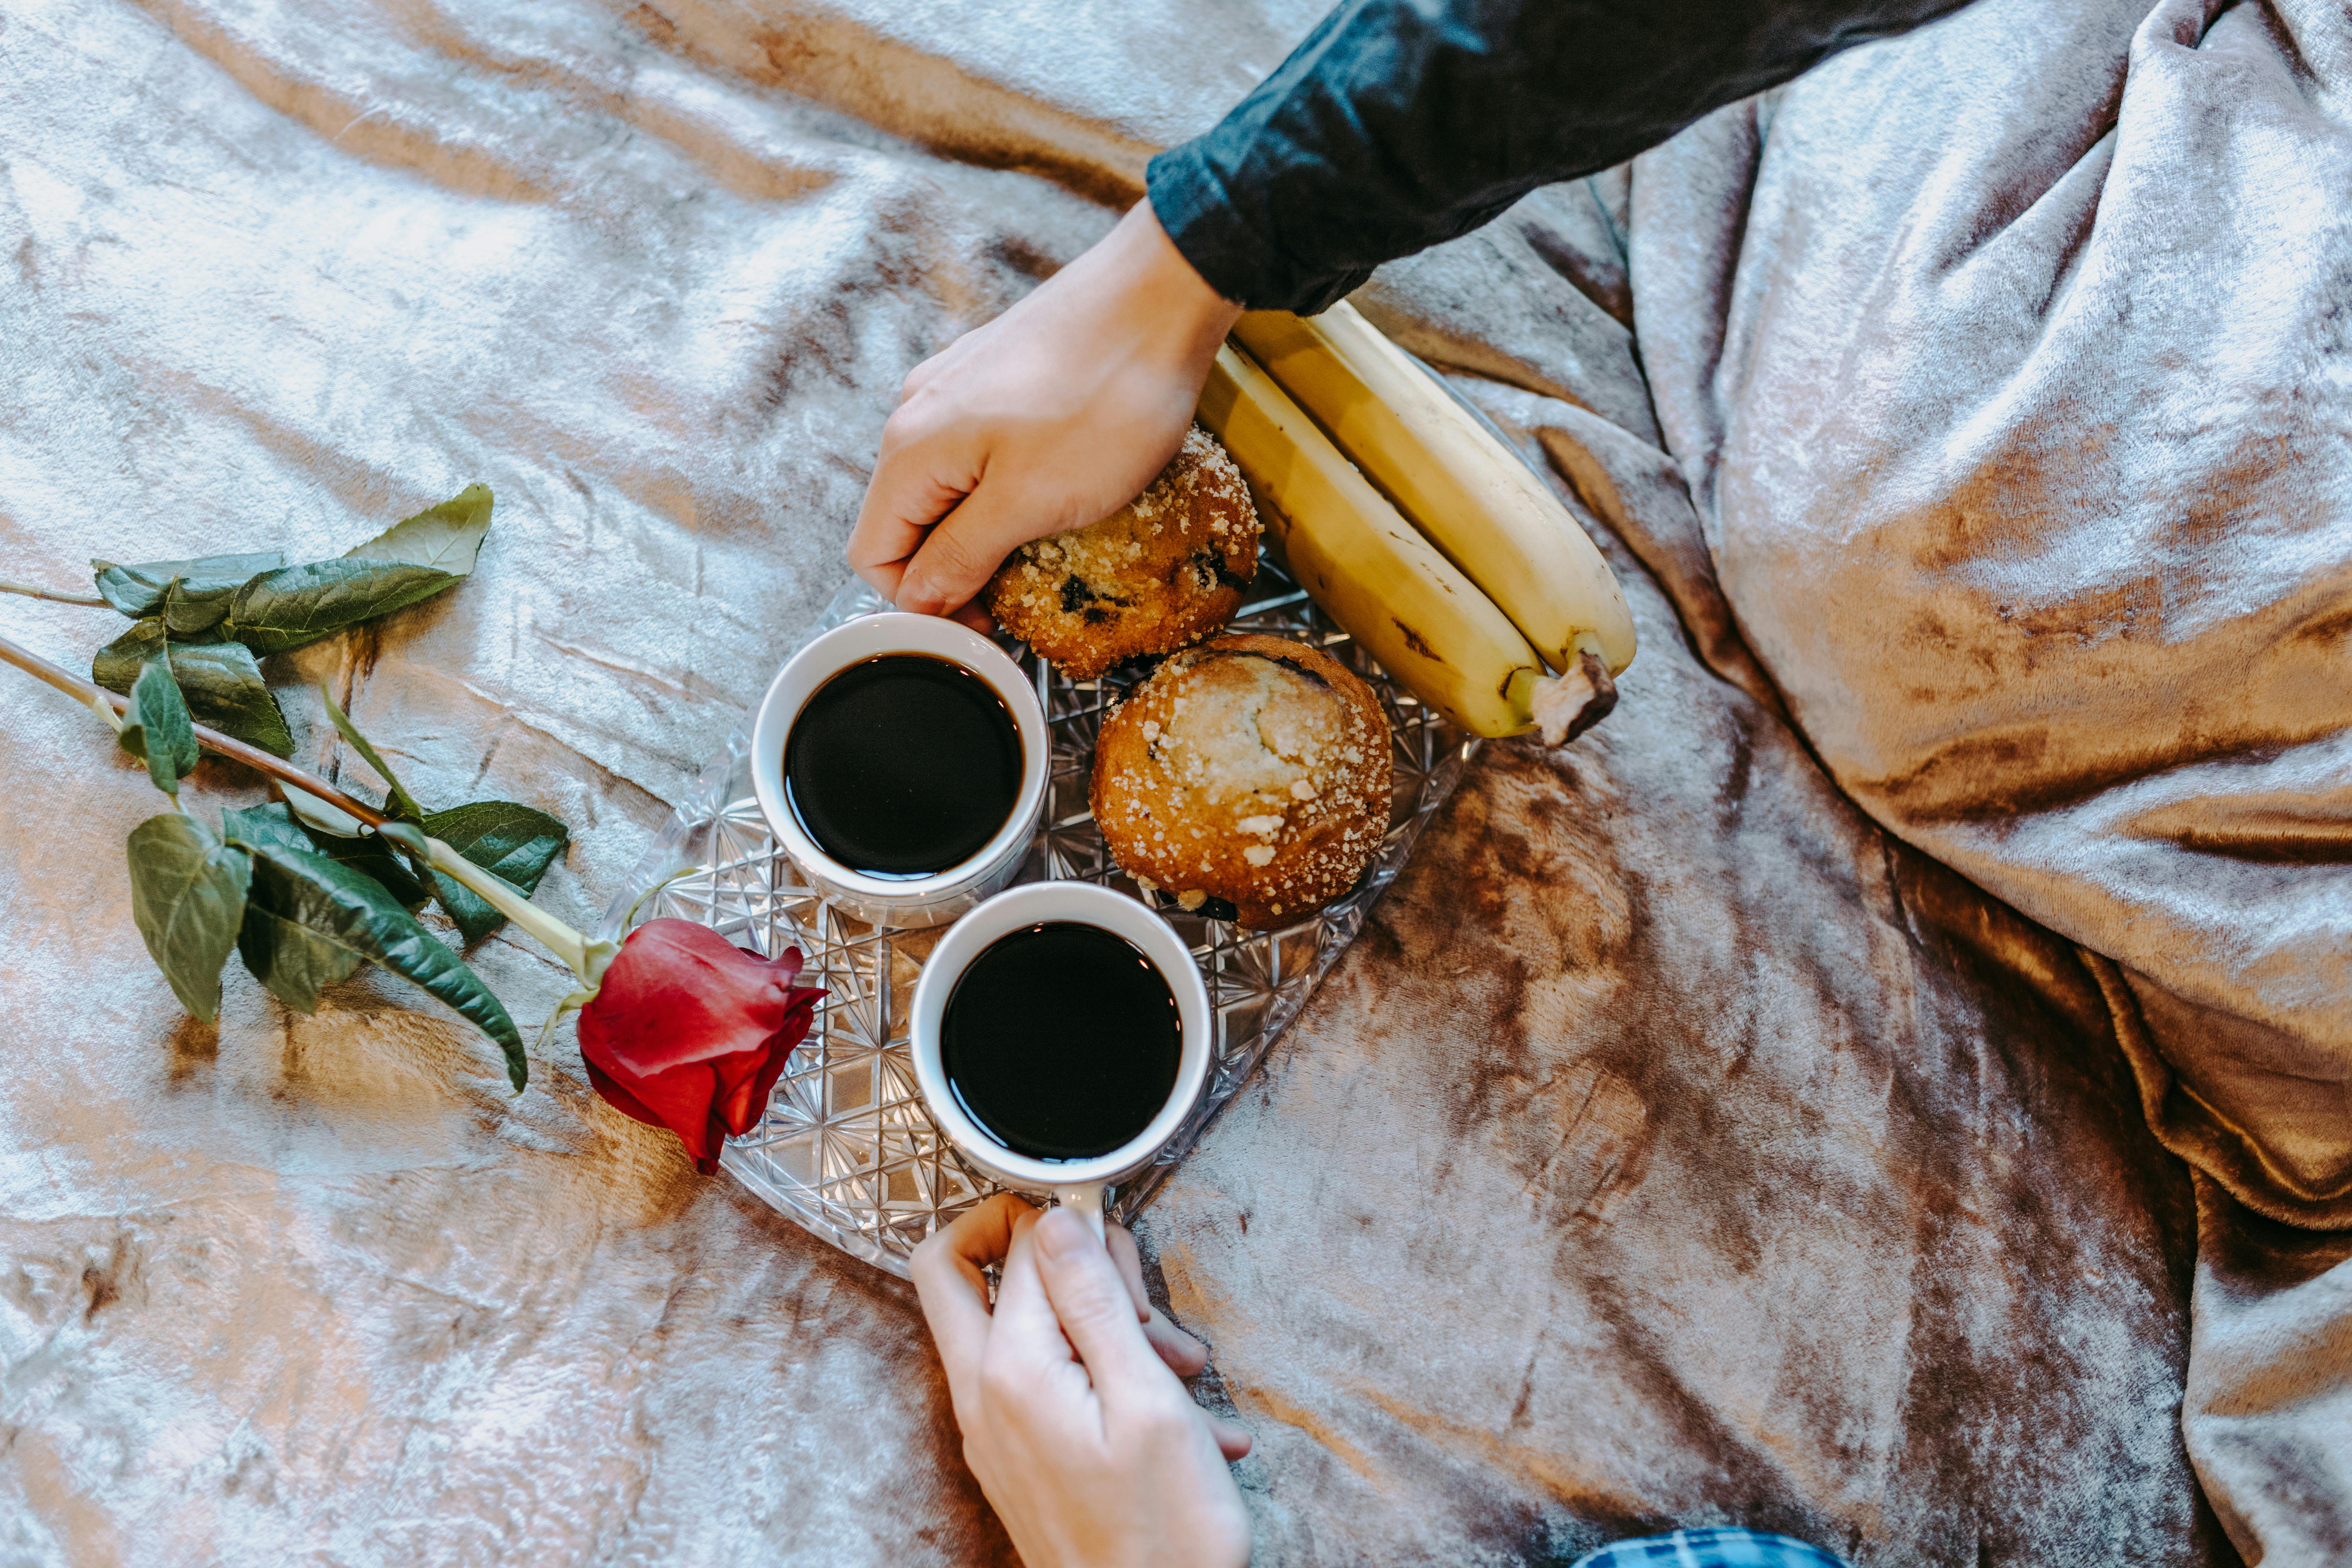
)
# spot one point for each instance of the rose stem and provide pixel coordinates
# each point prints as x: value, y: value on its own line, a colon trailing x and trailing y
x: 86, y: 692
x: 574, y: 950
x: 34, y: 591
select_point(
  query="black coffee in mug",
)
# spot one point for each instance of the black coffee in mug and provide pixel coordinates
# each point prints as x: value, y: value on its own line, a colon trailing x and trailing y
x: 1061, y: 1041
x: 903, y: 766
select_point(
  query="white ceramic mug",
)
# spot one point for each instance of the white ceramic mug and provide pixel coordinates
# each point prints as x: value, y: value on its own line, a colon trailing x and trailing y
x: 1076, y: 1184
x: 892, y: 900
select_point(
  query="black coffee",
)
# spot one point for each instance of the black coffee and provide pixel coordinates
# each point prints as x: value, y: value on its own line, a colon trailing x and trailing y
x: 903, y: 766
x: 1061, y: 1041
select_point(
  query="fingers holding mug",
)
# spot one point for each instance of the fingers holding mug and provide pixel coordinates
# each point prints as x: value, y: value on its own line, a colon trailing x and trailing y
x: 1185, y: 1356
x: 948, y: 1282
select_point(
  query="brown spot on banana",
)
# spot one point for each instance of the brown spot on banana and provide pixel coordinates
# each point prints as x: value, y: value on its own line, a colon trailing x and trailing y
x: 1415, y: 641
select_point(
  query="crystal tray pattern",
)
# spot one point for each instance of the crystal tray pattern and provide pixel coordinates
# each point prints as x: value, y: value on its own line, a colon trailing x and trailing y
x: 845, y: 1149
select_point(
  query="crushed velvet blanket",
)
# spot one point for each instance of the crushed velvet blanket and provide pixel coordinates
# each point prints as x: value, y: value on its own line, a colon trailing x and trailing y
x: 1886, y: 1084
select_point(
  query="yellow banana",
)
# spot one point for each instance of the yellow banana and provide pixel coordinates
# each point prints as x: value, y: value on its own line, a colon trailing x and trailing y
x: 1469, y: 494
x: 1364, y: 564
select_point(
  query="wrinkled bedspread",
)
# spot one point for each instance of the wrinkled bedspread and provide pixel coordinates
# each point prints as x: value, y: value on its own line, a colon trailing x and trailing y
x: 1779, y: 1107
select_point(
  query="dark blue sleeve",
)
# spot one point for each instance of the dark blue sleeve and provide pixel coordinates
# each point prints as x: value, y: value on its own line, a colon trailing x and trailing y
x: 1399, y: 123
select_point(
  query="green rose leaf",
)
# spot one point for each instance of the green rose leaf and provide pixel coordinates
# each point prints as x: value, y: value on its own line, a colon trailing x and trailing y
x: 294, y: 962
x: 187, y: 895
x: 369, y: 856
x: 286, y: 956
x: 117, y: 665
x: 271, y: 607
x: 190, y: 610
x: 225, y: 689
x: 336, y: 910
x: 445, y: 538
x: 270, y: 824
x: 220, y: 680
x: 280, y: 611
x: 141, y: 590
x: 156, y: 728
x: 507, y: 840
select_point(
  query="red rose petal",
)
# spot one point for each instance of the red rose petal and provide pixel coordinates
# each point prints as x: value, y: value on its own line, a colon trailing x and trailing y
x: 691, y: 1033
x: 617, y: 1094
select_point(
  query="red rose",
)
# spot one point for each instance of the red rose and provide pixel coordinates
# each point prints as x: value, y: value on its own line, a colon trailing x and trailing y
x: 691, y: 1033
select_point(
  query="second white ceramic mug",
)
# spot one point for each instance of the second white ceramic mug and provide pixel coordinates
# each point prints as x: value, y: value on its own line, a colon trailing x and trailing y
x: 886, y: 900
x: 1076, y: 1184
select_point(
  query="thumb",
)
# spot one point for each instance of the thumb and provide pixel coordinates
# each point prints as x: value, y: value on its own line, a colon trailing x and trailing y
x: 1095, y: 1312
x: 958, y: 555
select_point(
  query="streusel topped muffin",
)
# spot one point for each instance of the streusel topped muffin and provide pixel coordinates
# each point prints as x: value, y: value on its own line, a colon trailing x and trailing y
x: 1164, y: 571
x: 1252, y: 770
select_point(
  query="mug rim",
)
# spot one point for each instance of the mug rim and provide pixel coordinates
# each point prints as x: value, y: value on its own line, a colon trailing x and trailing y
x: 877, y: 635
x: 1084, y: 903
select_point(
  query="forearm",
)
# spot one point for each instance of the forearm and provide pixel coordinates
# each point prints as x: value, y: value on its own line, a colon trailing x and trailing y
x: 1399, y: 123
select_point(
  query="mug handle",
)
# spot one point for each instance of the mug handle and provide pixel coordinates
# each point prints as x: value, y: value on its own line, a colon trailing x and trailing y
x: 1086, y: 1202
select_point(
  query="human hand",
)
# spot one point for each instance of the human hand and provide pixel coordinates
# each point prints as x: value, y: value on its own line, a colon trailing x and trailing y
x: 1093, y: 1460
x: 1051, y: 417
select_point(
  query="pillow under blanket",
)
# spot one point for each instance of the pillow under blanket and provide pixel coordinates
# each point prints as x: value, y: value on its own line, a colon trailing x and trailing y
x: 2013, y: 388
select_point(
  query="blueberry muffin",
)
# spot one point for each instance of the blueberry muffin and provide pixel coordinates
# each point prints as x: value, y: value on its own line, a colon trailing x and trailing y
x: 1162, y: 571
x: 1248, y: 778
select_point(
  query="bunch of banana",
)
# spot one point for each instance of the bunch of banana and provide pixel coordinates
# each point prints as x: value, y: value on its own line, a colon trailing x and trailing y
x: 1491, y: 578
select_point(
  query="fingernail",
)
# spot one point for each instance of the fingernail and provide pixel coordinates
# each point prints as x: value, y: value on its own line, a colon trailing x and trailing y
x: 1061, y: 1233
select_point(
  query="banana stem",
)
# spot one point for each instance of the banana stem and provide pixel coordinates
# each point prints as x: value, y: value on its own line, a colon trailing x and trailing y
x: 586, y: 958
x: 35, y: 591
x: 1579, y: 696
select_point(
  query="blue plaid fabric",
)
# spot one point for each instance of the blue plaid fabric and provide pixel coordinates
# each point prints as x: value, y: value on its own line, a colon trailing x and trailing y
x: 1712, y: 1548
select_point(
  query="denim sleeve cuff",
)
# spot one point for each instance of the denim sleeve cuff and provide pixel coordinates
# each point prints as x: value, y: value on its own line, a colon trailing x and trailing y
x: 1245, y: 264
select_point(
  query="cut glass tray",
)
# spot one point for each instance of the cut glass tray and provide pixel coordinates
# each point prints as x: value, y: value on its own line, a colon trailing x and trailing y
x: 845, y: 1149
